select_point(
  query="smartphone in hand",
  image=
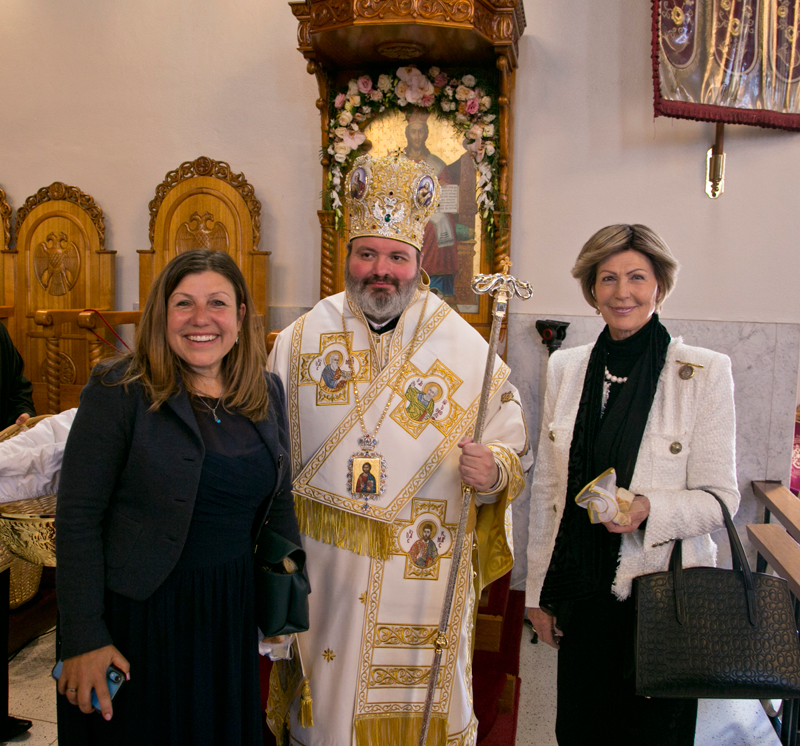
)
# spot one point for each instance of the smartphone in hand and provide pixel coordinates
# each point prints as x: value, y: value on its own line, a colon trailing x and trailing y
x: 114, y: 678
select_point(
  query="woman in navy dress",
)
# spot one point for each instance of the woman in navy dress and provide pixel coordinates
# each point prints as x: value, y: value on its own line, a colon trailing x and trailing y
x: 178, y: 451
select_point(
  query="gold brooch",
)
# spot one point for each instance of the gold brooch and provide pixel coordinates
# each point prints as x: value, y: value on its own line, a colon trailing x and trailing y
x: 687, y: 369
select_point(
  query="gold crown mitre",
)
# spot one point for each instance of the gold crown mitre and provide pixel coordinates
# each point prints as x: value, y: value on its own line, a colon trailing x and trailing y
x: 391, y: 197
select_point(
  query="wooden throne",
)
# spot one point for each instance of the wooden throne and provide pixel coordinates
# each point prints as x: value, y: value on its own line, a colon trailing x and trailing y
x: 201, y: 204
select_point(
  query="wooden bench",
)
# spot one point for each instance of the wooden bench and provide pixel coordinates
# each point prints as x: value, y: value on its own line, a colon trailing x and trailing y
x: 778, y: 547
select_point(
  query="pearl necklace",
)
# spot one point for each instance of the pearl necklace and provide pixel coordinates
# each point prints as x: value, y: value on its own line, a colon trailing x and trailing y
x: 615, y: 379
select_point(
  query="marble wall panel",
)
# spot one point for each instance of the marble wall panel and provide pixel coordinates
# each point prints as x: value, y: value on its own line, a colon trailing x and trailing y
x: 764, y: 359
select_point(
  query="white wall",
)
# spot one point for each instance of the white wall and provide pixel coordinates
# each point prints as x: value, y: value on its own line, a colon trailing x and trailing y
x: 592, y: 154
x: 109, y: 95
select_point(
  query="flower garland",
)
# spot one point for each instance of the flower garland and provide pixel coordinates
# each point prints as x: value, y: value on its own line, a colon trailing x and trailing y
x: 461, y: 101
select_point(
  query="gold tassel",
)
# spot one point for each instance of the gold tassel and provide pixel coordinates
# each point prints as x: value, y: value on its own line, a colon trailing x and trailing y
x: 345, y: 530
x: 306, y: 715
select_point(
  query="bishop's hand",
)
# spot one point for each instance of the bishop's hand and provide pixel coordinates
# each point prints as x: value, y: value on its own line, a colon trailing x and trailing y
x: 476, y: 465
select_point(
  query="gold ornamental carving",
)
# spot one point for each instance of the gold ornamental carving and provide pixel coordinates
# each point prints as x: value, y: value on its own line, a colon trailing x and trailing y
x: 453, y: 11
x: 65, y: 370
x: 207, y: 167
x: 60, y: 191
x: 331, y: 13
x: 498, y: 20
x: 202, y: 232
x: 57, y: 263
x: 5, y: 221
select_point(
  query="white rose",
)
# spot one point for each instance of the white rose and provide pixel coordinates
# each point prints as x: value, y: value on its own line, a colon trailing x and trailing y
x: 489, y: 149
x: 352, y: 88
x: 345, y: 118
x: 488, y: 130
x: 384, y: 83
x: 339, y: 132
x: 463, y: 93
x: 468, y: 80
x: 489, y: 118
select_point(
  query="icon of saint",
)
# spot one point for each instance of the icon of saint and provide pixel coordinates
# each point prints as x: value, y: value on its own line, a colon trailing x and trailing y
x: 422, y: 402
x: 423, y: 552
x: 334, y: 377
x: 366, y: 485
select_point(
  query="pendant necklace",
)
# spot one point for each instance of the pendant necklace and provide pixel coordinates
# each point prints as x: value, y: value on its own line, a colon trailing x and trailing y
x: 366, y: 477
x: 211, y: 409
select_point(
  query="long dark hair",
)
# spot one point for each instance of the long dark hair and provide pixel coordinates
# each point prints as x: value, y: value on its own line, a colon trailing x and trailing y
x: 161, y: 372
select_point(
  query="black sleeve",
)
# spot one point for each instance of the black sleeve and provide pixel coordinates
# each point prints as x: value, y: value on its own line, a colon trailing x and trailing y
x: 94, y: 457
x: 16, y: 389
x: 282, y: 518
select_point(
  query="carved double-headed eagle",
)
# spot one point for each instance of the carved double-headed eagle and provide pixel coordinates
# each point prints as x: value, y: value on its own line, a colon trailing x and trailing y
x: 57, y: 263
x: 201, y: 232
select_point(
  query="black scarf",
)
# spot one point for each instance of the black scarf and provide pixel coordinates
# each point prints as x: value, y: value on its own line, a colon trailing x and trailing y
x: 584, y: 559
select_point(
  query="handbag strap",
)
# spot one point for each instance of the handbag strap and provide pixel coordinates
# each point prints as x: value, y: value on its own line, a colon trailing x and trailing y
x: 738, y: 559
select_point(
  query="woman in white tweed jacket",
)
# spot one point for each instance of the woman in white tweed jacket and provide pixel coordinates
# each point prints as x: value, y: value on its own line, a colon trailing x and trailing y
x: 661, y: 413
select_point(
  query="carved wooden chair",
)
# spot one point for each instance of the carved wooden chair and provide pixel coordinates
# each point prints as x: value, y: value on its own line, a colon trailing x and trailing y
x: 60, y: 267
x: 203, y: 204
x: 6, y: 292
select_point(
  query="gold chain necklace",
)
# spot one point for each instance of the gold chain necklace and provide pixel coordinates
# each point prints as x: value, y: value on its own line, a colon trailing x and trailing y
x: 366, y: 468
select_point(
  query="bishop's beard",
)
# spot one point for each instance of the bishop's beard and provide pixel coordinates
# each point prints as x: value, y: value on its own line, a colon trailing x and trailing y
x: 381, y: 305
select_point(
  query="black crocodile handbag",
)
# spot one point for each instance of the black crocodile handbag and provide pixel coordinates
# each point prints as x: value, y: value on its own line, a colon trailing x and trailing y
x: 706, y: 632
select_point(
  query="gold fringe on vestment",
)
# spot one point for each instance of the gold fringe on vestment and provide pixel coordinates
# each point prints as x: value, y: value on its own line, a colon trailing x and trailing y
x: 344, y: 530
x: 398, y: 729
x: 306, y: 715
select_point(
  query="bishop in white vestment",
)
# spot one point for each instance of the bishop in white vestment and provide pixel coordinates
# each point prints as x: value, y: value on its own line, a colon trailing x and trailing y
x: 375, y: 605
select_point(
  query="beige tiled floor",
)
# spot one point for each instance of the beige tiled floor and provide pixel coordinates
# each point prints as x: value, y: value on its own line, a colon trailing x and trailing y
x: 31, y: 691
x: 719, y: 722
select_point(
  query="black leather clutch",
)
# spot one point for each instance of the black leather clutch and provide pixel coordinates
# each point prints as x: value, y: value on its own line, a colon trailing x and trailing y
x: 707, y: 632
x: 281, y: 586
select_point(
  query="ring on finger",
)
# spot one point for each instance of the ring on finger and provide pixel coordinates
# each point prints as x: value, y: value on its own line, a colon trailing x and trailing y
x: 72, y: 690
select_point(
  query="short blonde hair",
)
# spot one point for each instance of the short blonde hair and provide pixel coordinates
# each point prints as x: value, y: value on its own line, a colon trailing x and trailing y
x: 616, y: 238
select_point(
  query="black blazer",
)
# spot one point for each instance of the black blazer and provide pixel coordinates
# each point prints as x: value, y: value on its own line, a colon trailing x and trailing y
x: 126, y: 497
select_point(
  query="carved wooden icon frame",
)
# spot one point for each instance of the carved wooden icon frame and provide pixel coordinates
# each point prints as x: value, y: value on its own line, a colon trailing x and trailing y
x: 344, y: 39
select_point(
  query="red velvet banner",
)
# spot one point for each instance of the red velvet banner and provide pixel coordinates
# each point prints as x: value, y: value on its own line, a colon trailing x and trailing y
x: 732, y: 61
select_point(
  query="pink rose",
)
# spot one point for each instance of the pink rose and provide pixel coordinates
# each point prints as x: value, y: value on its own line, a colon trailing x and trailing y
x: 472, y: 106
x: 340, y: 99
x: 427, y: 101
x: 365, y: 84
x: 440, y: 80
x: 375, y: 94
